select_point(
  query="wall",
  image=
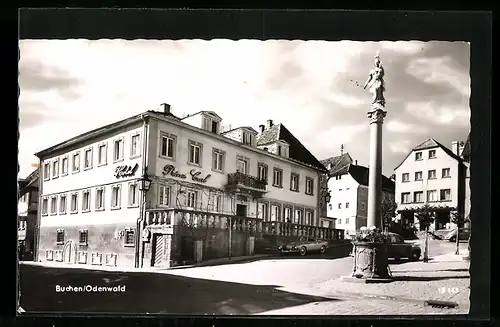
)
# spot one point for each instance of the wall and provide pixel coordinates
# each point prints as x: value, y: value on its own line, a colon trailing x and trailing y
x: 410, y: 165
x: 344, y: 190
x: 217, y: 179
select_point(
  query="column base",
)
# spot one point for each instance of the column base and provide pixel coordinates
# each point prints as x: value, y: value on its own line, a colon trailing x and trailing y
x: 365, y: 280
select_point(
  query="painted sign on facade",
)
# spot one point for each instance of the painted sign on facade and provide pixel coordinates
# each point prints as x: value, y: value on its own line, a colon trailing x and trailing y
x: 126, y: 170
x: 195, y: 175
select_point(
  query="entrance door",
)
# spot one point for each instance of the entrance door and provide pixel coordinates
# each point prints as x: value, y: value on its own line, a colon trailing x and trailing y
x: 68, y: 252
x: 241, y: 210
x: 442, y: 218
x: 161, y: 250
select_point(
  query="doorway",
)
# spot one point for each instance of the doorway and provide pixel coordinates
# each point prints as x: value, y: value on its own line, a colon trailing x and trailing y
x: 442, y: 218
x: 161, y: 250
x: 68, y: 250
x: 241, y: 210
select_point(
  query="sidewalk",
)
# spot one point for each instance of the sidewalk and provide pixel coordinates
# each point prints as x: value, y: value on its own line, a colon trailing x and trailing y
x: 445, y: 278
x: 214, y: 262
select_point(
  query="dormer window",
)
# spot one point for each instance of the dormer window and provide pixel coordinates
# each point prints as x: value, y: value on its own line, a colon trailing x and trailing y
x: 210, y: 125
x: 247, y: 138
x: 280, y: 150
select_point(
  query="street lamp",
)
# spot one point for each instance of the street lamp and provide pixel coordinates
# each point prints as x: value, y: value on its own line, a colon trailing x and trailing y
x: 327, y: 196
x: 144, y: 183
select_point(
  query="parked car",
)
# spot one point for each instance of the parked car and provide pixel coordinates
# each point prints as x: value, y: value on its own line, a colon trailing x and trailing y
x: 304, y: 245
x: 452, y: 235
x: 398, y: 249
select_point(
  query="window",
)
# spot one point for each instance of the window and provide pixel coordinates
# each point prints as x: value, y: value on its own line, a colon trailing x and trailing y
x: 216, y: 202
x: 118, y: 150
x: 363, y: 205
x: 405, y: 177
x: 340, y: 205
x: 76, y: 163
x: 83, y: 237
x: 191, y: 199
x: 129, y: 237
x: 347, y: 221
x: 418, y: 197
x: 46, y: 171
x: 299, y: 219
x: 432, y: 154
x: 431, y: 174
x: 309, y: 186
x: 445, y: 173
x: 62, y: 204
x: 247, y: 138
x: 102, y: 154
x: 418, y: 155
x: 167, y: 146
x: 242, y: 165
x: 135, y: 145
x: 339, y: 221
x: 418, y: 175
x: 275, y: 213
x: 278, y: 177
x: 218, y: 160
x: 279, y: 150
x: 60, y: 236
x: 53, y: 205
x: 194, y: 153
x: 111, y: 259
x: 262, y: 211
x: 287, y: 214
x: 347, y: 205
x: 340, y: 190
x: 445, y: 195
x: 309, y: 218
x: 133, y: 195
x: 116, y: 194
x: 294, y: 182
x: 99, y: 199
x: 64, y: 166
x: 74, y: 203
x: 87, y: 159
x: 55, y: 168
x: 86, y: 201
x: 405, y: 197
x: 164, y: 196
x: 262, y: 171
x: 432, y: 196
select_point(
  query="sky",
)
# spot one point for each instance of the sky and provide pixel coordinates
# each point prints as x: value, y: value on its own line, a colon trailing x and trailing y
x: 68, y: 87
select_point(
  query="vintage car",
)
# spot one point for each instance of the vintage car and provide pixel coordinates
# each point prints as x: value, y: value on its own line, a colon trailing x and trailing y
x: 452, y: 235
x: 399, y: 249
x: 304, y: 245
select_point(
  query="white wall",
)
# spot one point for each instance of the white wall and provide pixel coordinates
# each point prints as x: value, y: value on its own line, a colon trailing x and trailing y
x: 343, y: 190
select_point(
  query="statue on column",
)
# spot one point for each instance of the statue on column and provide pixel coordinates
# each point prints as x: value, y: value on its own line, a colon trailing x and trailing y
x: 376, y: 85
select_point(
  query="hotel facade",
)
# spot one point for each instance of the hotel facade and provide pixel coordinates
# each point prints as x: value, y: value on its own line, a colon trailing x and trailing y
x: 204, y: 182
x: 435, y: 175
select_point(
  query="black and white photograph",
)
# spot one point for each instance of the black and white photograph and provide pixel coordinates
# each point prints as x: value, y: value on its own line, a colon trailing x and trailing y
x: 244, y: 177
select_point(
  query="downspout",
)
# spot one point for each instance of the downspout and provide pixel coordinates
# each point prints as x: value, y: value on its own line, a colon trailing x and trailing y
x: 139, y: 244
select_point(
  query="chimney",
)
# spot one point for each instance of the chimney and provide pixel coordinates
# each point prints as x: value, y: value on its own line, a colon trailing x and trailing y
x: 261, y: 128
x: 269, y: 124
x: 341, y: 149
x: 355, y: 162
x: 454, y: 147
x: 461, y: 147
x: 166, y: 108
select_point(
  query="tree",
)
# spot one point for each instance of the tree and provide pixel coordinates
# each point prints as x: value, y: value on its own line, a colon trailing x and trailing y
x: 425, y: 215
x: 388, y: 211
x: 457, y: 219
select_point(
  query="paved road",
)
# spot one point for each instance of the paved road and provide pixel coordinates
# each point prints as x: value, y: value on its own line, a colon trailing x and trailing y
x: 245, y: 288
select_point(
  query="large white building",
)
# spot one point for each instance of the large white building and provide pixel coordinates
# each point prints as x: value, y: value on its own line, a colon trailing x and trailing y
x: 348, y: 187
x: 92, y: 210
x: 431, y: 174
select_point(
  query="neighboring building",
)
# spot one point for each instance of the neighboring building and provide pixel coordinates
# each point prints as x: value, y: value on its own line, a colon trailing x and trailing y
x: 348, y: 186
x: 433, y: 174
x: 464, y: 152
x: 27, y: 215
x: 92, y: 208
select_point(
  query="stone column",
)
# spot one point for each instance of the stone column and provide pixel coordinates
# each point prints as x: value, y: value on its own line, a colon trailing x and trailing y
x: 376, y: 117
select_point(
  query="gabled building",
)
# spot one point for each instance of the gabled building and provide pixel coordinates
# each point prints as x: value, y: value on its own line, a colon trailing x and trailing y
x: 433, y: 174
x: 203, y: 182
x: 27, y: 210
x: 348, y: 187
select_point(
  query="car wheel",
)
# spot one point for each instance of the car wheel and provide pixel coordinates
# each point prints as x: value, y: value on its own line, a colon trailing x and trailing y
x: 322, y: 249
x: 415, y: 256
x: 303, y: 250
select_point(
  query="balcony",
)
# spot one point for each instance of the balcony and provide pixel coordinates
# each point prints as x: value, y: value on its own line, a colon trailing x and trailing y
x: 246, y: 184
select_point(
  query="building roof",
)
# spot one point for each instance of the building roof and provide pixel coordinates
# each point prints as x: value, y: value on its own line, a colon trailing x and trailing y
x: 203, y: 112
x: 361, y: 175
x: 429, y: 144
x: 30, y: 181
x: 467, y: 149
x: 297, y: 151
x: 241, y: 127
x: 340, y: 164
